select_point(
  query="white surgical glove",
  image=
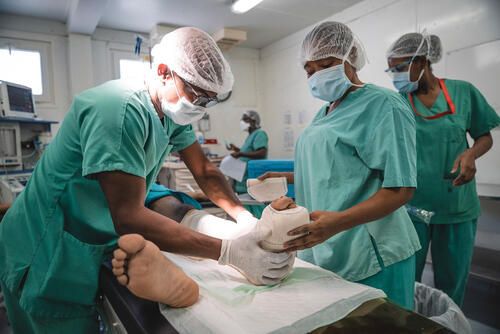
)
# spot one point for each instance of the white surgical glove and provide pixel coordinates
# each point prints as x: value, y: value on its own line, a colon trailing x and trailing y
x: 260, y: 267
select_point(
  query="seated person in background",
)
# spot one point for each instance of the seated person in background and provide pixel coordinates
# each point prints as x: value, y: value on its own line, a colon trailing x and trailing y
x: 139, y: 264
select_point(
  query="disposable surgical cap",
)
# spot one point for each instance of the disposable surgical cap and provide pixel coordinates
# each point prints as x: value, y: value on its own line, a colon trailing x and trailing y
x: 253, y: 115
x: 194, y: 56
x: 333, y: 39
x: 410, y: 45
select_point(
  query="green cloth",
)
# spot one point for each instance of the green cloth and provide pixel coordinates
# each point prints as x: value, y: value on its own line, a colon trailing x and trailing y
x: 439, y: 142
x: 396, y: 280
x: 451, y: 251
x: 59, y: 229
x: 342, y: 159
x: 158, y: 191
x: 256, y: 140
x: 25, y: 323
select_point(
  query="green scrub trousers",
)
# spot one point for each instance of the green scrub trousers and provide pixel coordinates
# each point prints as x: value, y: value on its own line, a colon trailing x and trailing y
x: 396, y: 281
x: 452, y: 246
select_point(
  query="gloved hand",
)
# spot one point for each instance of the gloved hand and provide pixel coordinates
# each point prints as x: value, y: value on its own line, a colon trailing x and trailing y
x: 260, y: 267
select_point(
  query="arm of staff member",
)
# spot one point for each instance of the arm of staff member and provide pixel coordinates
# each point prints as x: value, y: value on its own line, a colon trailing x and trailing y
x: 326, y: 224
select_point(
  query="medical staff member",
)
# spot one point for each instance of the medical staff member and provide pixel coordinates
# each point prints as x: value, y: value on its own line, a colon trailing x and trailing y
x: 445, y: 111
x: 355, y: 167
x: 89, y: 187
x: 254, y: 147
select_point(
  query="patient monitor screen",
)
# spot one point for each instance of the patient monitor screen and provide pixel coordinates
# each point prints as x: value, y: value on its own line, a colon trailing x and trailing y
x: 20, y: 99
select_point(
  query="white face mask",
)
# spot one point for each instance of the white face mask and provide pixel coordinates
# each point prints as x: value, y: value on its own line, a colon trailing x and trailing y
x: 183, y: 112
x: 244, y: 126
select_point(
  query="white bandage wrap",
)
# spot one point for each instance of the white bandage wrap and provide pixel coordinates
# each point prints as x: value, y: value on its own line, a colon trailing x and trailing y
x: 280, y: 223
x: 213, y: 226
x: 267, y: 190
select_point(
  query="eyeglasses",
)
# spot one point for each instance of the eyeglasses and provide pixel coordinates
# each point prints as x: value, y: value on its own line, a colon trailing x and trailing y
x: 403, y: 67
x: 200, y: 100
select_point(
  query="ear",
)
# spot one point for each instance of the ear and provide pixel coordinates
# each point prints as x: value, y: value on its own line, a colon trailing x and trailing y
x: 163, y: 71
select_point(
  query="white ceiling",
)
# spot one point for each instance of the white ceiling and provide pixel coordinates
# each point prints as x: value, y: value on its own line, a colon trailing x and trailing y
x: 270, y: 21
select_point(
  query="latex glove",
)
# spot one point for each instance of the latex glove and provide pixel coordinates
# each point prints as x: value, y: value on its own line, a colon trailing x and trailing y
x: 260, y: 267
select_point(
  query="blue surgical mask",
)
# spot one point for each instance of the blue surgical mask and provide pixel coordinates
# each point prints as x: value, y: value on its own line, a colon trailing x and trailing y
x: 402, y: 82
x: 329, y: 84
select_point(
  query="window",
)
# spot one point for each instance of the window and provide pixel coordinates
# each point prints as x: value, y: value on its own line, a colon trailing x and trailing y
x: 26, y: 62
x: 22, y: 67
x: 133, y: 69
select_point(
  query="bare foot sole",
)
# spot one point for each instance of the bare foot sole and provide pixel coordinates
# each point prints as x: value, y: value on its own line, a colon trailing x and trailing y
x: 139, y: 265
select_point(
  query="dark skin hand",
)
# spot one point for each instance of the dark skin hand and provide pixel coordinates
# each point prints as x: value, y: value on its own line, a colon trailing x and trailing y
x: 257, y: 154
x: 326, y: 224
x: 428, y: 91
x: 467, y: 160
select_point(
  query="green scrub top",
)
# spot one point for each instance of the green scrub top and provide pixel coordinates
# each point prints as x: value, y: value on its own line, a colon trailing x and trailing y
x: 439, y: 142
x: 256, y: 140
x: 343, y: 158
x: 59, y: 229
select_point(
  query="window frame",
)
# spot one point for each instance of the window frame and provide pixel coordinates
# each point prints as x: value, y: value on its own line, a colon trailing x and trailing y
x: 44, y: 48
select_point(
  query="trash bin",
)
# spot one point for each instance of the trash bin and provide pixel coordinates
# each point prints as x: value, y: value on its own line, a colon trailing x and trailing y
x: 438, y: 306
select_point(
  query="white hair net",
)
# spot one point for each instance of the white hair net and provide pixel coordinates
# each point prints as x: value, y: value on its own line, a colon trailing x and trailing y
x: 410, y: 45
x: 253, y: 115
x: 333, y: 39
x: 194, y: 56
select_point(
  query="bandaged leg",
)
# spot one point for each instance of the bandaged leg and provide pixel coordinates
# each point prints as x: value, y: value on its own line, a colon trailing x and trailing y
x: 282, y: 216
x: 139, y: 265
x: 213, y: 226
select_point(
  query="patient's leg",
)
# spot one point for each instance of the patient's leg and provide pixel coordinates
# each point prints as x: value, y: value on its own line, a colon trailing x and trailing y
x: 141, y: 267
x: 171, y: 207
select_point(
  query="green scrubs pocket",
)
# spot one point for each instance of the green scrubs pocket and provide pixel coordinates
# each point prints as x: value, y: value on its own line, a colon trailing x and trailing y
x: 73, y: 272
x: 460, y: 198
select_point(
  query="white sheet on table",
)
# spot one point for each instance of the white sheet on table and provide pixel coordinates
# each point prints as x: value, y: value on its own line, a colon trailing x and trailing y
x: 228, y: 303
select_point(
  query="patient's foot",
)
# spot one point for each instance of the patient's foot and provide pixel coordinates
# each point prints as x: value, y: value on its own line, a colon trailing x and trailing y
x: 141, y: 267
x: 283, y: 203
x: 282, y: 216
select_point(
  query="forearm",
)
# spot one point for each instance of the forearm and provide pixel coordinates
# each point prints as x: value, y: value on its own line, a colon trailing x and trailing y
x: 482, y: 145
x: 166, y: 233
x: 381, y: 204
x: 215, y: 186
x: 259, y: 154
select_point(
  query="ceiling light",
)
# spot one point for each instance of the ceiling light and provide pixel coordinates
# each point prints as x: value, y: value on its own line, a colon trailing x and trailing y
x: 243, y: 6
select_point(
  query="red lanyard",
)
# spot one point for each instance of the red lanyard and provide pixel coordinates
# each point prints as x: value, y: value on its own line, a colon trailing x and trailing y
x: 448, y: 100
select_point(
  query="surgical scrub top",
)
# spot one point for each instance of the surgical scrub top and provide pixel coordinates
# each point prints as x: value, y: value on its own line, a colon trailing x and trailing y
x: 342, y: 159
x: 255, y: 141
x: 439, y: 142
x: 59, y: 229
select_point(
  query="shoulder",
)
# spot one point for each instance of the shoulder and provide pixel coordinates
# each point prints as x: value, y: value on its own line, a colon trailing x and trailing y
x: 260, y: 133
x: 387, y: 101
